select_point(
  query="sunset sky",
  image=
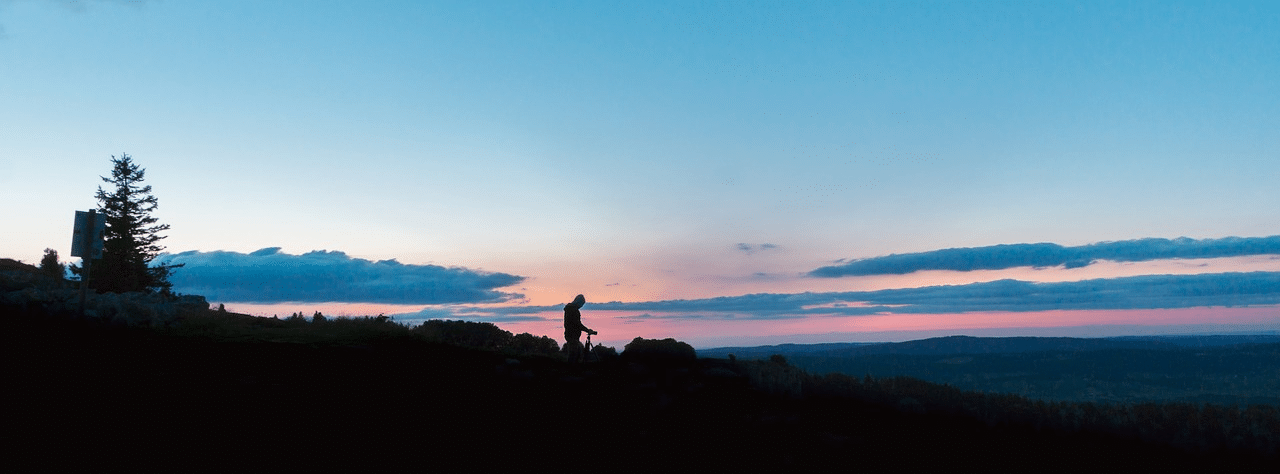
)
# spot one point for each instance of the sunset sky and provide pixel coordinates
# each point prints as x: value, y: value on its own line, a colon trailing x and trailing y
x: 724, y: 173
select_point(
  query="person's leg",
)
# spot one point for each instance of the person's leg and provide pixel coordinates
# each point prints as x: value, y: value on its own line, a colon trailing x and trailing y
x: 575, y: 350
x: 573, y: 345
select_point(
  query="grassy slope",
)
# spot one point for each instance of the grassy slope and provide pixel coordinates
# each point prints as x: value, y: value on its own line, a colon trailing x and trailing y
x: 131, y: 396
x: 231, y: 391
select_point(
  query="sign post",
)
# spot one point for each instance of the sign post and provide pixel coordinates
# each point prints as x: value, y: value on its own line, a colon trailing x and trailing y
x: 87, y: 243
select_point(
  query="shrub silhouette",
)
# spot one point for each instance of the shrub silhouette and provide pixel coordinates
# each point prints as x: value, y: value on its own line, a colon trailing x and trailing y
x: 465, y: 333
x: 602, y: 353
x: 50, y: 265
x: 776, y: 377
x: 296, y: 319
x: 525, y: 343
x: 660, y: 352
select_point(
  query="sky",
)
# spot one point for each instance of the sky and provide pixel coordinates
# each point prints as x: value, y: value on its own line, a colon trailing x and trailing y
x: 723, y: 173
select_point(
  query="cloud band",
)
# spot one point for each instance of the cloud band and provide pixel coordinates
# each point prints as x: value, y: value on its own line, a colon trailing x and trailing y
x: 1139, y: 292
x: 998, y: 257
x: 270, y: 276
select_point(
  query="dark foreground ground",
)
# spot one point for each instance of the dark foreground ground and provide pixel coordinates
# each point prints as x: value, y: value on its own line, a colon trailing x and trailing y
x: 99, y: 398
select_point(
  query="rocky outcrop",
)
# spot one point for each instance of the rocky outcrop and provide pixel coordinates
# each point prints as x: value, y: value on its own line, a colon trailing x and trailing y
x: 25, y: 290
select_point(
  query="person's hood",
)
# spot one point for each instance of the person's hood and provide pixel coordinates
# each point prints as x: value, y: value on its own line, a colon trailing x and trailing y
x: 577, y: 302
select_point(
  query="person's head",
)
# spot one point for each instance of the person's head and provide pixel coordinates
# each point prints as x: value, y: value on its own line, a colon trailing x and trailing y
x: 578, y: 301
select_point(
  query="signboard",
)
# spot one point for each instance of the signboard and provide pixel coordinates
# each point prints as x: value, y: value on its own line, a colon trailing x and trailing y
x: 81, y: 227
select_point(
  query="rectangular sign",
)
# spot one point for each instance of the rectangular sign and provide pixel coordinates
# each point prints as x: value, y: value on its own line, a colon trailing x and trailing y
x: 82, y: 226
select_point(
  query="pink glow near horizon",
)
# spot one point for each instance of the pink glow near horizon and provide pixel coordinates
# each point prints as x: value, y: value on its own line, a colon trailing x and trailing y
x: 620, y: 327
x: 563, y: 283
x: 558, y: 284
x: 616, y: 328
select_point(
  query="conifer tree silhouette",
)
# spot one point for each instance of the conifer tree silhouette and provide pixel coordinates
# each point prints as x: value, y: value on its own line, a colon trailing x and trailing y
x: 50, y: 265
x: 131, y: 236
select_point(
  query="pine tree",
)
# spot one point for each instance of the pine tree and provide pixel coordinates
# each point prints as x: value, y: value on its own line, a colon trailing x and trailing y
x: 131, y: 236
x: 50, y: 265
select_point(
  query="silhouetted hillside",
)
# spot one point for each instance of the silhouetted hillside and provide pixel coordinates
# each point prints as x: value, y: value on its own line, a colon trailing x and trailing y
x: 1209, y: 340
x: 1190, y: 369
x: 109, y: 391
x: 217, y: 390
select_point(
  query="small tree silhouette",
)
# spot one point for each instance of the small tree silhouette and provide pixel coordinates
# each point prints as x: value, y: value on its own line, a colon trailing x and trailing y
x: 50, y: 265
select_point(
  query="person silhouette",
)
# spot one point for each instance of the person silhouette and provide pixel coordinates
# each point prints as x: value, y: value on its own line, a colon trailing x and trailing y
x: 573, y: 328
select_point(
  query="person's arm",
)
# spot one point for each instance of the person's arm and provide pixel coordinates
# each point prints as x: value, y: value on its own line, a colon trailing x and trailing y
x: 575, y: 319
x: 583, y: 327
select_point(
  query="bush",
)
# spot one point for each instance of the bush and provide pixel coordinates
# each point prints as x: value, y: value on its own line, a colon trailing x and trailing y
x: 662, y: 352
x: 528, y: 344
x: 50, y: 265
x: 296, y: 320
x: 602, y: 353
x: 465, y: 333
x: 776, y: 377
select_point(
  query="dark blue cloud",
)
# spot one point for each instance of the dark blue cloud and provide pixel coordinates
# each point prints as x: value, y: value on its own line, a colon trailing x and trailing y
x: 1139, y: 292
x: 998, y: 257
x: 753, y: 248
x: 270, y: 276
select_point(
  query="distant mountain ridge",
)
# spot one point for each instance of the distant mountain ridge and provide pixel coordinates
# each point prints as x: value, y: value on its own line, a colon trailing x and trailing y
x: 1236, y: 370
x: 990, y: 345
x: 752, y: 352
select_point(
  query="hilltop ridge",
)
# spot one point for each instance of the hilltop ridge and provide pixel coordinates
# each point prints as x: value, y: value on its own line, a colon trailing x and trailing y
x: 960, y: 344
x: 219, y: 388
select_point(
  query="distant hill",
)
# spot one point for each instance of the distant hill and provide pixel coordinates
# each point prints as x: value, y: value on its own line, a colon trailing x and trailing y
x: 990, y: 345
x: 1225, y: 369
x: 996, y: 345
x: 763, y: 352
x: 1208, y: 340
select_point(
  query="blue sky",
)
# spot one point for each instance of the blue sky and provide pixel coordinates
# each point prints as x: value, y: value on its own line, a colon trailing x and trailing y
x: 644, y: 152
